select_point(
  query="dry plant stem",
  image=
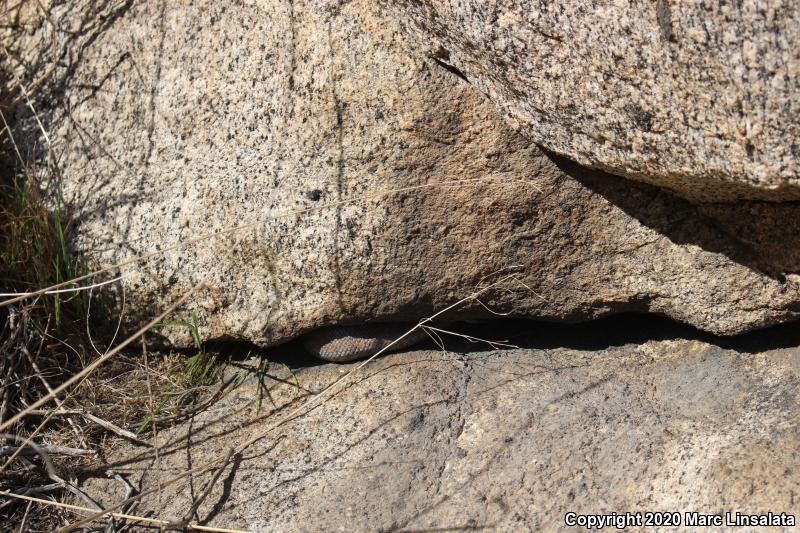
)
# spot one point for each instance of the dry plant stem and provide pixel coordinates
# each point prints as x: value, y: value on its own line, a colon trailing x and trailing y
x: 28, y: 100
x: 28, y: 440
x: 130, y: 490
x: 61, y: 291
x: 25, y: 517
x: 52, y: 450
x: 151, y: 407
x: 279, y: 214
x: 122, y: 516
x: 40, y: 489
x: 111, y: 353
x: 75, y: 428
x: 119, y: 322
x: 77, y: 492
x: 46, y: 74
x: 10, y: 136
x: 220, y: 393
x: 209, y: 486
x: 105, y: 424
x: 323, y: 395
x: 48, y: 464
x: 493, y: 344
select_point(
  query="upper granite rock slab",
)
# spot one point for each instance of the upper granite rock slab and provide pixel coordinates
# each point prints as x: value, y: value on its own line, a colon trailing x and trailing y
x: 309, y: 164
x: 698, y: 97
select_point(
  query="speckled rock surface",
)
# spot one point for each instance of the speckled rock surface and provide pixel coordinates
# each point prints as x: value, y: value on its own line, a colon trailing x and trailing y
x: 171, y: 120
x: 505, y: 441
x: 698, y: 97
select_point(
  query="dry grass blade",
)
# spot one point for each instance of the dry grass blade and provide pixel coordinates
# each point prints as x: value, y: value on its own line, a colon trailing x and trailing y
x: 121, y: 516
x: 61, y: 291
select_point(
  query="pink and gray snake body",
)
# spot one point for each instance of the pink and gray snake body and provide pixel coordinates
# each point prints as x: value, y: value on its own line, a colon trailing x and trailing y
x: 339, y: 344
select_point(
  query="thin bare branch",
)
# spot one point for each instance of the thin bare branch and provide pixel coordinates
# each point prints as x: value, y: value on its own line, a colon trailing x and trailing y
x: 27, y: 441
x: 147, y: 520
x: 48, y: 464
x: 8, y: 449
x: 495, y: 345
x: 105, y: 424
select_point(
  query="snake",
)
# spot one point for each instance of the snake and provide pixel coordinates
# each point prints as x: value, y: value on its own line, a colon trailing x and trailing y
x: 340, y: 344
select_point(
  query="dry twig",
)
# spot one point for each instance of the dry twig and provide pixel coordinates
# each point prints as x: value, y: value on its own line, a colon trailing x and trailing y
x: 147, y: 520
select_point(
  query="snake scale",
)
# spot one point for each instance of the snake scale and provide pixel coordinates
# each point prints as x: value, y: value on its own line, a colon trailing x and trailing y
x: 339, y: 344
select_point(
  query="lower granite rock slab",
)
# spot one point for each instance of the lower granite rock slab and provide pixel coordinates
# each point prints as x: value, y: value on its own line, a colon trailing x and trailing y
x: 498, y: 440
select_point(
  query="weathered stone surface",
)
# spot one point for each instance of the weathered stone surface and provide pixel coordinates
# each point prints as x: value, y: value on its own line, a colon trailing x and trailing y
x: 505, y: 441
x: 699, y: 97
x: 296, y: 120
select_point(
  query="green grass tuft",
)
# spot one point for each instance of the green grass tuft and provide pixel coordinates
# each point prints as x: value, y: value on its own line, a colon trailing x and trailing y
x: 34, y: 252
x: 202, y: 368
